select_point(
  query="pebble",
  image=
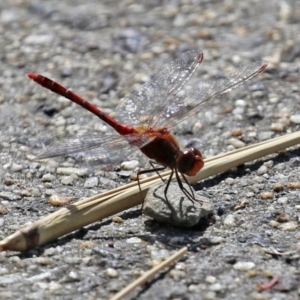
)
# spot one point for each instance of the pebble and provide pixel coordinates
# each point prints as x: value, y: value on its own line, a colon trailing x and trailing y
x: 293, y: 185
x: 229, y: 181
x: 259, y: 179
x: 269, y: 164
x: 73, y: 275
x: 278, y: 187
x: 10, y: 279
x: 288, y: 226
x: 283, y: 218
x: 25, y: 193
x: 266, y: 135
x: 273, y: 223
x: 16, y: 167
x: 210, y: 295
x: 44, y: 261
x: 210, y: 279
x: 277, y: 127
x: 184, y: 213
x: 38, y: 39
x: 111, y: 272
x: 10, y: 196
x: 217, y: 287
x: 282, y: 200
x: 216, y: 240
x: 3, y: 210
x: 179, y: 21
x: 237, y: 132
x: 244, y: 266
x: 262, y: 170
x: 71, y: 171
x: 59, y: 200
x: 41, y: 276
x: 117, y: 220
x: 240, y: 102
x: 177, y: 274
x: 267, y: 195
x: 68, y: 180
x: 48, y: 177
x: 91, y: 182
x: 49, y: 252
x: 54, y: 286
x: 236, y: 143
x: 295, y: 119
x: 229, y: 220
x: 129, y: 165
x: 134, y: 240
x: 160, y: 254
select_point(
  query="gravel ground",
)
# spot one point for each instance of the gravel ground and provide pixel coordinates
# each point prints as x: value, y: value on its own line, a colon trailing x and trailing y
x: 104, y: 50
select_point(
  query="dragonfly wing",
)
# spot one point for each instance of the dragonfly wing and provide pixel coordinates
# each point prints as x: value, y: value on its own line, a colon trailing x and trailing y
x: 78, y: 143
x: 204, y: 93
x: 142, y: 106
x: 98, y: 150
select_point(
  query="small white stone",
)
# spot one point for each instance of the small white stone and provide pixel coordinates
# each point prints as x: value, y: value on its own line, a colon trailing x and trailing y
x: 16, y: 168
x: 179, y: 21
x: 68, y: 180
x: 262, y: 170
x: 54, y: 286
x: 111, y: 272
x: 289, y: 226
x: 236, y: 143
x: 48, y: 177
x: 71, y: 171
x: 229, y: 181
x: 229, y: 221
x: 240, y: 102
x: 73, y: 275
x: 211, y: 279
x: 161, y: 254
x: 295, y: 119
x: 269, y: 164
x: 282, y: 200
x: 129, y: 165
x: 215, y: 240
x: 216, y: 287
x: 266, y: 135
x: 244, y: 265
x: 134, y: 240
x: 277, y: 127
x: 91, y: 182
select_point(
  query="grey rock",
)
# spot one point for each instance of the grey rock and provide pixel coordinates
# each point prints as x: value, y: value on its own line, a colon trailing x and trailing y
x: 184, y: 213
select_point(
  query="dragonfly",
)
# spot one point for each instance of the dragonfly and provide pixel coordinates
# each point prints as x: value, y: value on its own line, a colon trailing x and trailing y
x: 144, y: 120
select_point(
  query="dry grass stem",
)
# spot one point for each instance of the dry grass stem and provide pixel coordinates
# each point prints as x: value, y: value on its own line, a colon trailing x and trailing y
x: 93, y: 209
x: 150, y: 274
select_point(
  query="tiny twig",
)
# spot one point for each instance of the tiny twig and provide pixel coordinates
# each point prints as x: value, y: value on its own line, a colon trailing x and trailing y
x: 150, y: 274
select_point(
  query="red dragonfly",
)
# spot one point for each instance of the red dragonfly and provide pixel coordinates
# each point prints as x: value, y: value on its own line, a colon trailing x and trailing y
x: 145, y: 118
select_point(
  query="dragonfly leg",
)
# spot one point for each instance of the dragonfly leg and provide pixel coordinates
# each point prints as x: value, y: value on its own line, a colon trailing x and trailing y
x: 189, y: 194
x: 145, y: 172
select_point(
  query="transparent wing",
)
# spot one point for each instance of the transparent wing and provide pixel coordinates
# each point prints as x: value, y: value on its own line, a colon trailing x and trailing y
x: 143, y: 106
x: 204, y: 93
x: 96, y: 149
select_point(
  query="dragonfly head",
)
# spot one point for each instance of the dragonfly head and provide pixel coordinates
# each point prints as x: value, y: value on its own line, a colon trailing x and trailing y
x: 190, y: 162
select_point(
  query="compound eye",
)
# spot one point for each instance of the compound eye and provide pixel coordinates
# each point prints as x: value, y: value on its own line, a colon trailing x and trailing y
x: 190, y: 162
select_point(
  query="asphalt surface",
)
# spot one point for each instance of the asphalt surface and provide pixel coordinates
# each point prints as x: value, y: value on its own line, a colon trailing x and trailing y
x: 105, y: 50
